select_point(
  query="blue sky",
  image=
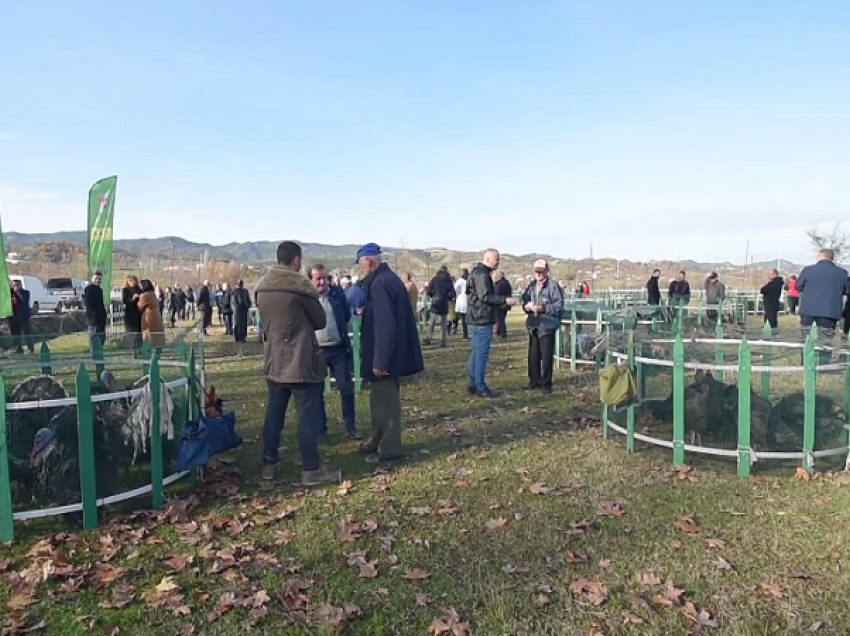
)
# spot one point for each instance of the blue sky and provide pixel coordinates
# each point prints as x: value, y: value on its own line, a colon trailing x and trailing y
x: 651, y: 129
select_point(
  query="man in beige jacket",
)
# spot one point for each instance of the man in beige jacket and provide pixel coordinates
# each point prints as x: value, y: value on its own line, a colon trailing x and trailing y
x: 291, y: 313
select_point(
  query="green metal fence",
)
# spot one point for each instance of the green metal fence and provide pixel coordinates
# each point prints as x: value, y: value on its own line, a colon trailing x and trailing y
x: 174, y: 368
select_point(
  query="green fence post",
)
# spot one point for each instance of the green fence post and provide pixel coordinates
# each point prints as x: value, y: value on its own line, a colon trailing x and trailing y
x: 146, y: 355
x: 573, y: 340
x: 744, y: 393
x: 85, y: 437
x: 678, y: 402
x: 356, y: 325
x: 766, y: 360
x: 630, y: 410
x: 810, y: 374
x: 642, y: 370
x: 45, y: 359
x: 194, y: 413
x: 599, y: 320
x: 559, y: 337
x: 97, y: 355
x: 202, y: 362
x: 718, y: 349
x: 654, y: 327
x: 7, y: 520
x: 605, y: 432
x: 699, y: 311
x: 156, y: 436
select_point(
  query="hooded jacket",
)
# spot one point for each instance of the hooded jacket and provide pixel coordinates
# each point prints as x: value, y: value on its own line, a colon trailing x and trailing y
x: 291, y: 313
x: 441, y: 291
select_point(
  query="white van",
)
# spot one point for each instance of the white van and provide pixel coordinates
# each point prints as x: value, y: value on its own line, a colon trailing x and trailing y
x: 41, y: 300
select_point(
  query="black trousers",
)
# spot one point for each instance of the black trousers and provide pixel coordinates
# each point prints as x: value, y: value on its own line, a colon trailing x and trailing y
x: 793, y: 303
x: 771, y: 316
x: 541, y: 352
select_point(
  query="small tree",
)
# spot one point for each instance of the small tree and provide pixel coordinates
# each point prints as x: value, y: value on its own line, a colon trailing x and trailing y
x: 836, y: 240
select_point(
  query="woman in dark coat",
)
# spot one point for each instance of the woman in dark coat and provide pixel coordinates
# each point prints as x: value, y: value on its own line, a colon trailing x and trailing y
x: 132, y: 316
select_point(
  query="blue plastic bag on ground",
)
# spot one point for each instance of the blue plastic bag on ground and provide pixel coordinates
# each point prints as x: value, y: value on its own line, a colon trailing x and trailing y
x: 200, y: 440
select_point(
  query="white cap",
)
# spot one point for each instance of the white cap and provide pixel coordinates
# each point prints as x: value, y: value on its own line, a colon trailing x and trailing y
x: 541, y: 263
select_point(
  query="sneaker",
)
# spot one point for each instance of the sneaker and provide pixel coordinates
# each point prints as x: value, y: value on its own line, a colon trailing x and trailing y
x: 320, y: 476
x: 530, y: 387
x: 354, y: 435
x: 546, y: 390
x: 487, y: 393
x: 269, y: 471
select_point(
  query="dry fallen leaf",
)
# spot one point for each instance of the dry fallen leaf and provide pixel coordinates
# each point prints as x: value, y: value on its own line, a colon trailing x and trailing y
x: 716, y: 544
x: 610, y: 509
x: 802, y: 474
x: 539, y: 488
x: 723, y: 564
x: 630, y: 618
x: 167, y: 584
x: 542, y: 600
x: 495, y: 524
x: 416, y: 575
x: 422, y: 600
x: 594, y: 590
x: 649, y: 579
x: 687, y: 525
x: 368, y: 570
x: 774, y: 590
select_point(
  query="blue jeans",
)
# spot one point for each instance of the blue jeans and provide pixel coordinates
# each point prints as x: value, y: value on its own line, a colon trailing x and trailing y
x: 339, y: 364
x: 308, y: 403
x: 96, y: 333
x: 482, y: 336
x: 228, y: 324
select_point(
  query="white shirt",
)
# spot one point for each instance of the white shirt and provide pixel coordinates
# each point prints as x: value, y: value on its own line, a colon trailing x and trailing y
x: 462, y: 301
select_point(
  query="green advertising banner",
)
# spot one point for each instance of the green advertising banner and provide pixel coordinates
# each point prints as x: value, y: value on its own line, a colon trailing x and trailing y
x: 101, y: 215
x: 5, y: 290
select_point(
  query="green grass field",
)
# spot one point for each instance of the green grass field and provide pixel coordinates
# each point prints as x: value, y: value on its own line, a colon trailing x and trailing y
x: 511, y: 516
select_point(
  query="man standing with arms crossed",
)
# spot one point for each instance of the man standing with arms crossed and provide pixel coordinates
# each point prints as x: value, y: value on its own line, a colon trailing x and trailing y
x: 484, y: 307
x: 390, y: 349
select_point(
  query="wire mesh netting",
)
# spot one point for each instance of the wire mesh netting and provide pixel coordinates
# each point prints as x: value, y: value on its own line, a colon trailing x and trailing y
x: 43, y: 442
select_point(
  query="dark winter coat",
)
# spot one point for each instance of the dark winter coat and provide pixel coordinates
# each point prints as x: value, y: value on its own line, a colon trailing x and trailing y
x: 679, y: 292
x: 652, y: 291
x: 132, y: 314
x: 390, y: 340
x: 551, y: 298
x: 226, y: 300
x: 291, y: 313
x: 441, y: 291
x: 772, y: 292
x: 95, y: 309
x: 822, y: 287
x: 204, y: 297
x: 21, y: 304
x: 484, y: 303
x: 240, y: 299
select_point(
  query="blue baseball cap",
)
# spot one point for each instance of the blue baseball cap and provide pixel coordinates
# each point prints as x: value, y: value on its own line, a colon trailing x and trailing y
x: 370, y: 249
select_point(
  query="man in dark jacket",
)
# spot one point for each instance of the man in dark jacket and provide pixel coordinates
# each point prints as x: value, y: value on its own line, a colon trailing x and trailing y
x: 652, y: 292
x: 679, y: 291
x: 241, y: 301
x: 484, y: 306
x: 19, y: 321
x: 823, y: 287
x: 390, y: 350
x: 502, y: 287
x: 542, y: 301
x: 441, y: 291
x: 336, y: 347
x: 95, y: 311
x: 181, y: 302
x: 205, y: 306
x: 772, y: 292
x: 292, y: 362
x: 227, y: 310
x: 173, y: 305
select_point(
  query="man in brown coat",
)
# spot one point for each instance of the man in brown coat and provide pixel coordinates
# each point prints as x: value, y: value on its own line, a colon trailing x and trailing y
x: 293, y: 364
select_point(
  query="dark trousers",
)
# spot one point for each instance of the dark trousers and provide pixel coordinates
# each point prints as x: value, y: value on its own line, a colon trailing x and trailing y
x: 206, y: 317
x: 502, y: 324
x: 308, y: 403
x: 174, y: 316
x: 385, y: 405
x: 96, y: 333
x: 793, y: 303
x: 461, y: 318
x: 339, y: 364
x: 541, y: 352
x: 240, y: 325
x: 228, y: 324
x: 21, y: 330
x: 771, y: 316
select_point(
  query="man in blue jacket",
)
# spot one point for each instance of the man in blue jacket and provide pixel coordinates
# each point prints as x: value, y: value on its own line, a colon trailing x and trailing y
x: 542, y: 301
x: 823, y: 287
x: 390, y: 350
x: 19, y: 321
x: 336, y: 347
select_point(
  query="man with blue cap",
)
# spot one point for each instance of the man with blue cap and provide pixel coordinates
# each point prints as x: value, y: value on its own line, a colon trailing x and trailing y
x: 390, y: 351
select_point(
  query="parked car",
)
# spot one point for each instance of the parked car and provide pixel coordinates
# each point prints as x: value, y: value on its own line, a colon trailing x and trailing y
x: 41, y: 300
x: 69, y: 290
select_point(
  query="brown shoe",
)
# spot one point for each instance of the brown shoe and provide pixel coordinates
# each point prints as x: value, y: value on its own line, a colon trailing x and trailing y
x: 320, y: 476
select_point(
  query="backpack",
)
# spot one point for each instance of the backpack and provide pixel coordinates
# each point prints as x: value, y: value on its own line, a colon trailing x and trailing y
x: 616, y: 385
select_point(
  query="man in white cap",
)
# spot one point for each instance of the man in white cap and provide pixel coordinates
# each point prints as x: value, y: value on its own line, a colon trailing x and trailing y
x: 542, y: 302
